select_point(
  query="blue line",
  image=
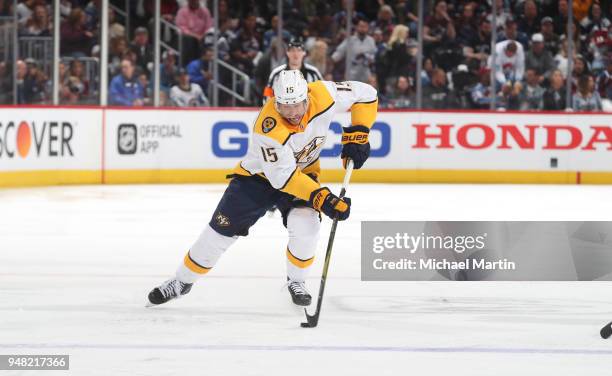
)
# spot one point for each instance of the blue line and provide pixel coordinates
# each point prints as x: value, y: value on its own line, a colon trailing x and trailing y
x: 405, y: 349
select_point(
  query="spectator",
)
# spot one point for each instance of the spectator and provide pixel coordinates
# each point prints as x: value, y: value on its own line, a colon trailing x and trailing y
x: 168, y: 70
x: 581, y: 67
x: 479, y: 47
x: 295, y: 60
x: 141, y: 47
x: 529, y: 23
x: 225, y: 36
x: 438, y: 30
x: 437, y: 95
x: 272, y: 58
x: 595, y: 20
x: 125, y: 90
x: 384, y: 21
x: 561, y: 17
x: 480, y: 94
x: 244, y: 49
x: 561, y: 59
x: 509, y: 62
x: 77, y: 69
x: 581, y: 8
x: 400, y: 61
x: 553, y: 98
x: 402, y: 95
x: 193, y: 21
x: 200, y: 70
x: 427, y: 72
x: 538, y: 58
x: 40, y: 24
x: 317, y: 57
x: 24, y: 11
x: 185, y: 93
x: 362, y: 51
x: 604, y: 81
x: 22, y: 70
x: 586, y: 98
x: 552, y: 41
x: 503, y: 15
x: 73, y: 91
x: 6, y: 83
x: 466, y: 26
x: 76, y: 39
x: 531, y: 95
x: 115, y: 29
x: 273, y: 32
x: 35, y: 83
x: 5, y: 9
x: 118, y: 47
x: 511, y: 33
x: 92, y: 10
x: 509, y: 96
x: 147, y: 88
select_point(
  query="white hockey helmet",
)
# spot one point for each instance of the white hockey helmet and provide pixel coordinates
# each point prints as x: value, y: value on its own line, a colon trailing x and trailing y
x: 290, y: 87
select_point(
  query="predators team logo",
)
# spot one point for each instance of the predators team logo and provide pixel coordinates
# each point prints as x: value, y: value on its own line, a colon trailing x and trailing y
x: 222, y: 220
x: 268, y: 124
x: 308, y: 153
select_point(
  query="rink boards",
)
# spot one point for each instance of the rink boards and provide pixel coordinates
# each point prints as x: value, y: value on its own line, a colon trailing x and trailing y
x: 50, y: 145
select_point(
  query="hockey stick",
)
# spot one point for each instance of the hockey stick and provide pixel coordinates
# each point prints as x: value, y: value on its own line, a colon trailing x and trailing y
x: 313, y: 320
x: 606, y: 331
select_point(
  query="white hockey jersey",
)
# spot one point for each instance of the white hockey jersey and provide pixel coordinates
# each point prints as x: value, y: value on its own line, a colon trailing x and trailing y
x: 285, y: 154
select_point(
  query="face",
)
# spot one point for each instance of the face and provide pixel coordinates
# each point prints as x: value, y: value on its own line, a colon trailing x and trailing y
x: 184, y: 79
x: 141, y: 38
x: 532, y: 77
x: 402, y: 83
x: 127, y: 69
x: 250, y: 22
x: 537, y: 47
x: 486, y: 28
x: 274, y: 22
x: 563, y: 7
x: 40, y: 12
x: 547, y: 28
x: 530, y: 9
x: 591, y: 84
x: 77, y: 68
x: 596, y: 11
x: 194, y: 4
x: 511, y: 30
x: 441, y: 7
x: 295, y: 55
x: 362, y: 28
x: 578, y: 66
x: 293, y: 113
x: 468, y: 12
x: 509, y: 53
x: 556, y: 80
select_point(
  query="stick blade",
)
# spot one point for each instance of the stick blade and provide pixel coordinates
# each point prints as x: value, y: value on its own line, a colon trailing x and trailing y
x: 311, y: 321
x: 606, y: 331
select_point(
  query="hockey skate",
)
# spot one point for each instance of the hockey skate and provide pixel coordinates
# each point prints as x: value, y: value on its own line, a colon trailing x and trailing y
x: 171, y: 289
x: 298, y: 292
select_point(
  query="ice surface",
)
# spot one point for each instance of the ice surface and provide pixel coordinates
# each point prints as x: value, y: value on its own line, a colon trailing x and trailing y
x: 76, y: 264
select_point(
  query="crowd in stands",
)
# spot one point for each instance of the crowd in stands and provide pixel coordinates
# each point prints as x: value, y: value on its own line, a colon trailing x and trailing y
x: 530, y: 68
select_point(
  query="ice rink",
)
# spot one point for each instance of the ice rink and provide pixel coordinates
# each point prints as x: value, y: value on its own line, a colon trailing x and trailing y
x: 76, y: 264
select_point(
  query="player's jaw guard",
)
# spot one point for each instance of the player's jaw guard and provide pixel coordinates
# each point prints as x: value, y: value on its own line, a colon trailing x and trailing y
x: 313, y: 320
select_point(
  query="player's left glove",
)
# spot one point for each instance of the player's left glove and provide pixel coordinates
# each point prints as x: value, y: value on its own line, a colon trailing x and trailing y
x: 355, y: 145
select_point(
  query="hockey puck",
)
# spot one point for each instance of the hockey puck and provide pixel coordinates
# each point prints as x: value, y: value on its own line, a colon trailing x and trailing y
x: 606, y: 331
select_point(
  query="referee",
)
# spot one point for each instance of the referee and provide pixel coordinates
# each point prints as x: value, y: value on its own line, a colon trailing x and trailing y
x: 295, y: 60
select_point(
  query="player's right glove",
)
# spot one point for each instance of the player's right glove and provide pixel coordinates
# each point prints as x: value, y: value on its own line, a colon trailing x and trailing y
x: 329, y: 204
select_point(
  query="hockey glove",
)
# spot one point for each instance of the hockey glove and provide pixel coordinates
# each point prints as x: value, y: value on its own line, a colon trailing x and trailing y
x: 355, y: 145
x: 329, y: 204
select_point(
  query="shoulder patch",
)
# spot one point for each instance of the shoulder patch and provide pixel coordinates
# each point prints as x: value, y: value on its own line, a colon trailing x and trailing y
x: 268, y: 124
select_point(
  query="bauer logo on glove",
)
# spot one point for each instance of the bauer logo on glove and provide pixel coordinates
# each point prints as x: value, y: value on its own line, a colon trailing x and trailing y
x: 355, y: 145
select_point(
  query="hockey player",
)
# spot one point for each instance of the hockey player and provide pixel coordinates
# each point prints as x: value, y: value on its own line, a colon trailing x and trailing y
x: 282, y: 168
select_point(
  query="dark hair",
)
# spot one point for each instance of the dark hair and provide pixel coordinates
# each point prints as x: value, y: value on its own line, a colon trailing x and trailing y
x: 583, y: 82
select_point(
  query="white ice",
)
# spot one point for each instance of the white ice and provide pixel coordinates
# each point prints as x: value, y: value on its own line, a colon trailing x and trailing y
x: 76, y: 264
